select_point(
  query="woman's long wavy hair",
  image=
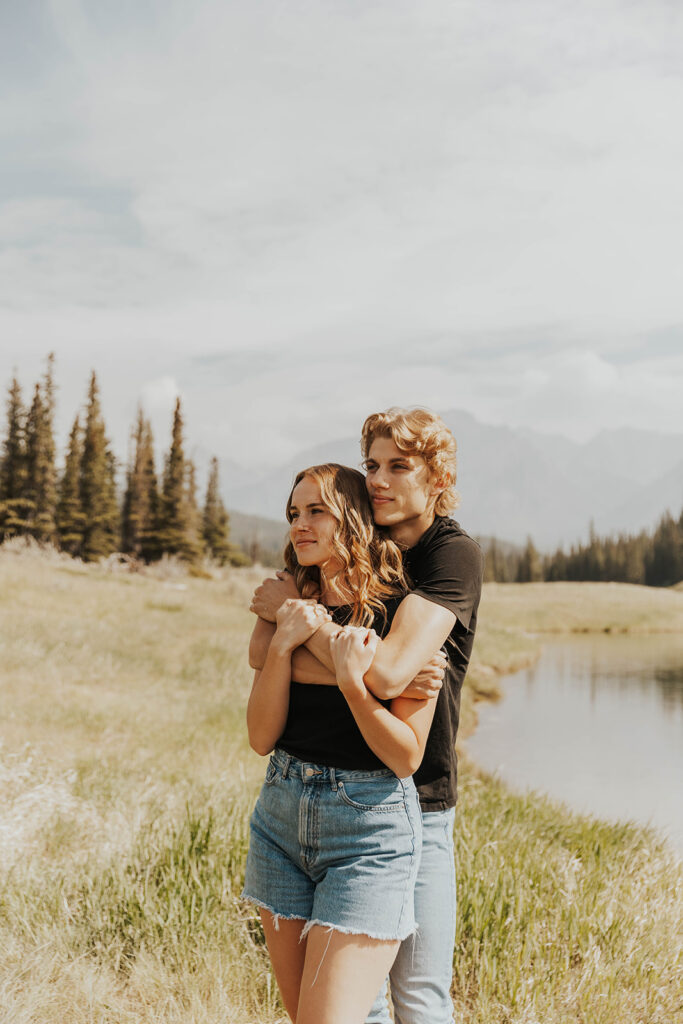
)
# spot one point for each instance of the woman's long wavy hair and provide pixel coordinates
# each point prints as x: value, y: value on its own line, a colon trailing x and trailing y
x: 371, y: 562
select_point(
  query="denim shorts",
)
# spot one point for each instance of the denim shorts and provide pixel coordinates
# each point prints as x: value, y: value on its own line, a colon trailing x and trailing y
x: 335, y: 847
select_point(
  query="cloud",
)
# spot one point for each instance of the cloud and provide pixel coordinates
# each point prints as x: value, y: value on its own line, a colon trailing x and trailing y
x: 445, y: 158
x: 340, y: 207
x: 159, y: 395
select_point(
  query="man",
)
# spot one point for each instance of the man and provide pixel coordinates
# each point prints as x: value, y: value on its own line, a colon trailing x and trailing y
x: 410, y: 463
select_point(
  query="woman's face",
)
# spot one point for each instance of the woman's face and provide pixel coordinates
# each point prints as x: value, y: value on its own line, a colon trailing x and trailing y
x: 312, y: 527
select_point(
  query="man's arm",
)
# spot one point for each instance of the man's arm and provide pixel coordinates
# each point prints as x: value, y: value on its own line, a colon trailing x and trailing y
x: 417, y: 632
x: 272, y: 593
x: 305, y: 666
x: 419, y: 629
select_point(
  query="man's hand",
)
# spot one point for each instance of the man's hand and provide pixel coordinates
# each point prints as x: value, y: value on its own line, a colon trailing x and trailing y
x: 296, y: 621
x: 273, y: 593
x: 428, y: 680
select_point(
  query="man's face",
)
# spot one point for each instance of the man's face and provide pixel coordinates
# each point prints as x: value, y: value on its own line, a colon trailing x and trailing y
x: 400, y: 486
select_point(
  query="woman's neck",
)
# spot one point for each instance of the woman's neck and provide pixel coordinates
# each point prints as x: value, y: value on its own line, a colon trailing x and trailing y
x: 334, y: 588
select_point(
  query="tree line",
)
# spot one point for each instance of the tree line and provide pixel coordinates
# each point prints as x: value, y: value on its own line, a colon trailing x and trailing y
x: 654, y: 559
x: 79, y: 509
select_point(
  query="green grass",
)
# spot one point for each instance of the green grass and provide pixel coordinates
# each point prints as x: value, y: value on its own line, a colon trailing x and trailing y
x: 125, y: 790
x: 562, y: 917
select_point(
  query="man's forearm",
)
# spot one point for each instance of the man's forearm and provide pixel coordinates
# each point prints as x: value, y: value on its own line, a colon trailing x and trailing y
x: 319, y: 644
x: 382, y: 678
x: 390, y: 672
x: 417, y: 633
x: 305, y: 666
x: 307, y: 669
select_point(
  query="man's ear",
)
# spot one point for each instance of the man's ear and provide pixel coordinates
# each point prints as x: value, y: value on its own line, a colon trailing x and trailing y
x: 440, y: 483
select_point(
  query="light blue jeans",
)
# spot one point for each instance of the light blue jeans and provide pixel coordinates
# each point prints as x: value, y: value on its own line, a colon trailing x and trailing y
x: 336, y: 847
x: 421, y: 976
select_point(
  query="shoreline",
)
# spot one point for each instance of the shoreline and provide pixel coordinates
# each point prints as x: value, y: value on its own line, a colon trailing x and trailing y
x: 485, y: 686
x: 515, y: 617
x: 482, y: 681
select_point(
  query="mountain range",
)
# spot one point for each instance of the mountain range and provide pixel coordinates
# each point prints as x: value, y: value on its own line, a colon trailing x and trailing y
x: 515, y: 483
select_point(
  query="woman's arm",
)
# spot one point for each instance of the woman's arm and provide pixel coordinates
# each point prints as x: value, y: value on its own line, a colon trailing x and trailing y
x: 269, y: 698
x: 397, y: 735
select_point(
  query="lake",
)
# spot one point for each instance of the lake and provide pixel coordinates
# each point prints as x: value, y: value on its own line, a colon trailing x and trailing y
x: 598, y: 723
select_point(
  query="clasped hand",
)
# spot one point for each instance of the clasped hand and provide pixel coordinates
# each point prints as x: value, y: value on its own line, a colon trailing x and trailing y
x: 352, y: 650
x: 271, y: 594
x: 297, y: 620
x: 429, y: 680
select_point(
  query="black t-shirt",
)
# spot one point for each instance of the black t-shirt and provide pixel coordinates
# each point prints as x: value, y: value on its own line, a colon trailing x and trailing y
x: 446, y: 567
x: 320, y: 726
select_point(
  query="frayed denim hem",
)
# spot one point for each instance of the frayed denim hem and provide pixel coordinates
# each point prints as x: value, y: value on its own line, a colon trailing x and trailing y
x: 357, y: 931
x: 271, y: 910
x: 324, y: 924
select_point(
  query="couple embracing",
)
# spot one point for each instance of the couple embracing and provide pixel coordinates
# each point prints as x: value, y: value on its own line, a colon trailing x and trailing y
x: 360, y: 650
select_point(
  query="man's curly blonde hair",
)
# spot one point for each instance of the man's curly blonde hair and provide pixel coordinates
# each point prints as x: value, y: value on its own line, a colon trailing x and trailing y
x: 419, y: 432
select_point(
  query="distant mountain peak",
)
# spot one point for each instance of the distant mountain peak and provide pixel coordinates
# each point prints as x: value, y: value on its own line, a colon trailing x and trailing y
x: 518, y: 482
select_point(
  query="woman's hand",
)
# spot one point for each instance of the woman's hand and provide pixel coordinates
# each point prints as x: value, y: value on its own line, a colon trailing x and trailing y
x: 352, y: 650
x: 296, y: 620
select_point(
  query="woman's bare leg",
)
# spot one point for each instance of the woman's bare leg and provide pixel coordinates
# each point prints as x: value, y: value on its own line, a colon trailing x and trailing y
x: 287, y: 955
x: 342, y: 975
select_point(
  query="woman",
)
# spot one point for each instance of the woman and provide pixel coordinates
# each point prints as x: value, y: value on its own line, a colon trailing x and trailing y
x: 335, y: 835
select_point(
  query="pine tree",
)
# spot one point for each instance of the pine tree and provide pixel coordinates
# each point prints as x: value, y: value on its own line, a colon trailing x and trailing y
x: 664, y: 562
x: 179, y: 521
x: 97, y: 487
x: 41, y: 482
x: 141, y: 501
x: 194, y: 543
x: 173, y: 524
x: 529, y: 569
x: 33, y: 440
x: 13, y: 463
x: 13, y: 510
x: 49, y: 480
x: 215, y: 523
x: 69, y: 516
x: 150, y: 546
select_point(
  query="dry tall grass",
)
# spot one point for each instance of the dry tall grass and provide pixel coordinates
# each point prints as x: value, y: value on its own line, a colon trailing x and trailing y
x: 125, y: 788
x: 583, y: 607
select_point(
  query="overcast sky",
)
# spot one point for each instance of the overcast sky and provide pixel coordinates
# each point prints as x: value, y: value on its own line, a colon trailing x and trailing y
x: 296, y: 213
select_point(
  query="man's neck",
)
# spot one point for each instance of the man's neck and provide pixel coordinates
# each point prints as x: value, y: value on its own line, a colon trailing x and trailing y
x: 408, y: 533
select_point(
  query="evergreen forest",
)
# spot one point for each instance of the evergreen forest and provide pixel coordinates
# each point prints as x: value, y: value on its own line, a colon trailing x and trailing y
x: 653, y: 559
x: 79, y: 509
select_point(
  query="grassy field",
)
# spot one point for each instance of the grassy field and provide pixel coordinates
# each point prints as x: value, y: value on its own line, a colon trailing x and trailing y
x: 125, y: 790
x: 583, y: 607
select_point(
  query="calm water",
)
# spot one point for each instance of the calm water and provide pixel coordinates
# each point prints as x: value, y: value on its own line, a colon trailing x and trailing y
x: 597, y: 722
